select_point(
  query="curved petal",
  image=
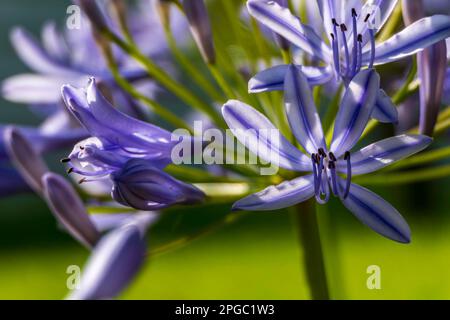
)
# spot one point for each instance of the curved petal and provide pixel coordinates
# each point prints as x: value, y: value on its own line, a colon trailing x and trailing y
x: 385, y: 152
x: 37, y: 89
x: 281, y: 21
x: 377, y: 214
x: 329, y: 9
x: 107, y: 114
x: 411, y: 40
x: 249, y: 126
x: 356, y: 107
x: 26, y: 159
x: 286, y: 194
x: 35, y: 56
x: 272, y: 79
x: 384, y: 9
x: 54, y: 42
x: 69, y: 210
x: 113, y: 264
x: 385, y: 111
x: 301, y: 111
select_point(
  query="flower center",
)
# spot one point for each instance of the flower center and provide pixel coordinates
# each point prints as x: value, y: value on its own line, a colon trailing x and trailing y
x: 350, y: 64
x: 326, y: 178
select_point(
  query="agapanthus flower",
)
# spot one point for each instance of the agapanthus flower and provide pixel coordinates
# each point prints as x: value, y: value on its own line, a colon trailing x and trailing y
x: 325, y: 163
x: 71, y: 57
x: 115, y: 260
x: 129, y: 151
x: 352, y: 43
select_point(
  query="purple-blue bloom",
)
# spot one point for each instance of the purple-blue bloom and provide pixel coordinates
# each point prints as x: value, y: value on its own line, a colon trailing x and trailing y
x: 325, y: 163
x: 143, y: 186
x: 129, y: 151
x: 352, y: 43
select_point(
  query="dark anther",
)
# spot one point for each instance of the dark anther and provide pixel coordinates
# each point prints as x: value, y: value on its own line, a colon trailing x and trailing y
x: 322, y: 153
x: 334, y: 22
x: 360, y: 37
x: 347, y: 155
x: 70, y: 170
x: 343, y: 27
x: 81, y: 148
x: 332, y: 36
x: 331, y: 165
x: 82, y: 181
x: 332, y: 157
x: 314, y: 158
x: 354, y: 12
x: 317, y: 158
x: 367, y: 17
x: 65, y: 160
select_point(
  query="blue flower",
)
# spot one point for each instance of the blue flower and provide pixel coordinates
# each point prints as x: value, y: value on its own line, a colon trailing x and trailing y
x: 131, y: 152
x: 348, y: 33
x: 324, y: 163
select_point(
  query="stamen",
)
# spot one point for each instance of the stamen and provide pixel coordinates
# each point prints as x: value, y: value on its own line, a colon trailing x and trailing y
x: 82, y: 181
x: 355, y: 42
x: 70, y: 170
x: 316, y: 178
x: 335, y: 46
x: 322, y: 153
x: 349, y: 174
x: 332, y: 157
x: 347, y: 54
x: 334, y: 185
x: 367, y: 17
x: 372, y: 44
x: 65, y: 160
x: 358, y: 65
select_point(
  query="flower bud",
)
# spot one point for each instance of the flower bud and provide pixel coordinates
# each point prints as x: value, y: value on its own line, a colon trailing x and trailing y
x: 142, y: 186
x: 69, y: 210
x: 200, y: 25
x: 26, y: 159
x: 432, y: 66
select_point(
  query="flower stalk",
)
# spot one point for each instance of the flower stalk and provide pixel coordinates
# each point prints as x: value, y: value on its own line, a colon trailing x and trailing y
x: 313, y: 258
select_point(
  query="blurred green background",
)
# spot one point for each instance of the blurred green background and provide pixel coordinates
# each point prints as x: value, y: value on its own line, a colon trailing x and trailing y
x: 258, y: 257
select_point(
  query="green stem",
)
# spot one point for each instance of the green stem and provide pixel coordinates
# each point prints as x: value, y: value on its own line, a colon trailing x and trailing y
x: 313, y: 259
x: 421, y: 159
x: 404, y: 177
x: 157, y: 108
x: 165, y: 80
x: 191, y: 69
x: 229, y: 92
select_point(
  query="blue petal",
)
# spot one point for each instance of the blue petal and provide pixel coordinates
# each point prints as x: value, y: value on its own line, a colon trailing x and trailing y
x: 356, y: 107
x: 272, y: 79
x: 329, y: 9
x: 385, y: 111
x: 446, y: 93
x: 248, y: 125
x: 25, y: 158
x: 281, y: 21
x: 411, y: 40
x: 385, y: 7
x: 377, y: 214
x: 113, y: 265
x: 102, y: 120
x: 301, y: 111
x: 35, y: 56
x: 54, y: 43
x: 37, y: 89
x: 286, y: 194
x: 142, y: 186
x: 69, y: 210
x: 385, y: 152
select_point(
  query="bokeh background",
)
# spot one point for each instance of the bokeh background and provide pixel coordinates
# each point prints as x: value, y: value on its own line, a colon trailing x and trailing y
x: 257, y: 257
